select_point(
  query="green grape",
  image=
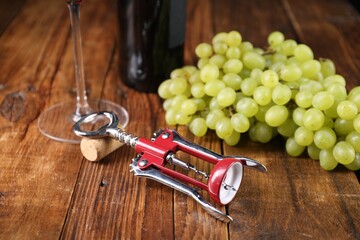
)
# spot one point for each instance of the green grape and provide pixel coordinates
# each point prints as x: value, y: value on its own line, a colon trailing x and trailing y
x: 304, y: 136
x: 233, y: 38
x: 278, y: 58
x: 248, y: 85
x: 276, y: 115
x: 332, y: 79
x: 194, y: 77
x: 281, y: 94
x: 262, y: 95
x: 288, y: 128
x: 356, y: 123
x: 182, y: 118
x: 354, y: 165
x: 239, y: 95
x: 318, y: 77
x: 288, y: 47
x: 164, y: 89
x: 355, y: 98
x: 179, y: 73
x: 332, y: 111
x: 232, y: 80
x: 188, y: 107
x: 329, y: 122
x: 313, y: 151
x: 304, y: 99
x: 232, y: 66
x: 198, y: 89
x: 203, y: 50
x: 240, y: 122
x: 354, y: 91
x: 246, y: 46
x: 217, y: 60
x: 354, y: 139
x: 214, y: 104
x: 213, y: 117
x: 200, y: 103
x: 226, y: 97
x: 338, y: 91
x: 178, y: 86
x: 310, y: 68
x: 290, y: 73
x: 256, y: 75
x: 327, y: 67
x: 327, y: 160
x: 224, y: 128
x: 269, y: 78
x: 293, y: 61
x: 213, y: 87
x: 311, y: 86
x: 245, y: 73
x: 177, y: 102
x: 259, y: 51
x: 233, y: 139
x: 198, y: 126
x: 167, y: 104
x: 323, y: 100
x: 298, y: 116
x: 313, y: 119
x: 276, y: 67
x: 233, y: 52
x: 347, y: 110
x: 170, y: 117
x: 220, y: 37
x: 220, y: 48
x: 260, y: 115
x: 325, y: 138
x: 202, y: 62
x: 292, y: 148
x: 252, y: 134
x: 343, y: 127
x: 344, y: 152
x: 209, y: 72
x: 253, y: 60
x: 275, y: 38
x: 187, y: 92
x: 303, y: 53
x: 189, y: 69
x: 263, y: 132
x: 247, y: 106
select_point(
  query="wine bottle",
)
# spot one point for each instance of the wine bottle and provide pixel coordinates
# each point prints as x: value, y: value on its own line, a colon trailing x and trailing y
x: 151, y: 41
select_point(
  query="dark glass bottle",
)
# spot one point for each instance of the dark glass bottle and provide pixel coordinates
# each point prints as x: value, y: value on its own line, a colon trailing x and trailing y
x: 151, y: 41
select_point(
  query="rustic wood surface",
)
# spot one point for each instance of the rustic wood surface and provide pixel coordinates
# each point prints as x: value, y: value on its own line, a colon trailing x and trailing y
x: 49, y: 191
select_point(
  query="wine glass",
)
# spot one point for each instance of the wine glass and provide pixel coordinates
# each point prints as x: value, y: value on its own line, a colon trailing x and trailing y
x: 57, y: 121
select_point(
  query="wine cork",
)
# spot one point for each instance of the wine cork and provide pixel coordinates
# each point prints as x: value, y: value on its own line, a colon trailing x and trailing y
x: 94, y: 149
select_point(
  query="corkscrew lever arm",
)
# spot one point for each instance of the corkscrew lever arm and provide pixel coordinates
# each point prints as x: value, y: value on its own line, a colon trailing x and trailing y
x: 158, y: 176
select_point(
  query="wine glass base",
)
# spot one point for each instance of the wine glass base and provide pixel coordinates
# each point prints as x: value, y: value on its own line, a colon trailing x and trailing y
x: 57, y: 121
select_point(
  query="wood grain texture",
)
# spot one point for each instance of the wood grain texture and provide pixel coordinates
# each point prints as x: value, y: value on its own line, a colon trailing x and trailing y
x: 49, y: 191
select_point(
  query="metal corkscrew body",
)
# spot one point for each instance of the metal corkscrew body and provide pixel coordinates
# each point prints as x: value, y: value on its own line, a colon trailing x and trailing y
x: 155, y: 154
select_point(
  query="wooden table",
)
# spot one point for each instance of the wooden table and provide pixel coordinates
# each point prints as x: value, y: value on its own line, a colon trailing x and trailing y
x: 49, y: 191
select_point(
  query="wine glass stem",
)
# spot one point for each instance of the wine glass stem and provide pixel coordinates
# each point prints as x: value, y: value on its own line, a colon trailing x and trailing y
x: 82, y: 106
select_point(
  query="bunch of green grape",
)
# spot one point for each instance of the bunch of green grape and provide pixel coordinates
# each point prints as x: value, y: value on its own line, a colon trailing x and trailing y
x: 237, y: 88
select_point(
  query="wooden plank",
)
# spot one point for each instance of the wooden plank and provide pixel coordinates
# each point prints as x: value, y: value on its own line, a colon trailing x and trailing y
x: 37, y: 175
x: 296, y: 198
x: 8, y: 11
x: 190, y: 220
x: 331, y: 29
x: 117, y: 203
